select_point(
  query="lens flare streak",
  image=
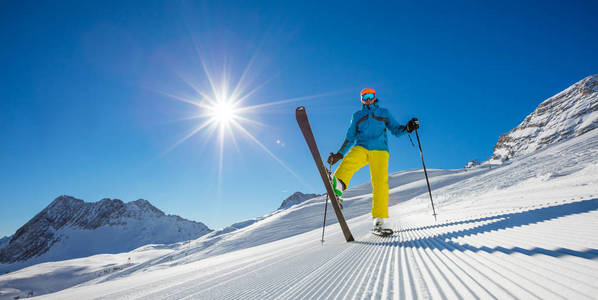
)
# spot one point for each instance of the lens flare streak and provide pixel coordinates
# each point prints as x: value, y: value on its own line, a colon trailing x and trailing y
x: 221, y: 111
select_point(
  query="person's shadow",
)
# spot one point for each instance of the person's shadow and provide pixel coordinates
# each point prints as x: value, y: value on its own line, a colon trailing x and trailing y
x: 501, y: 222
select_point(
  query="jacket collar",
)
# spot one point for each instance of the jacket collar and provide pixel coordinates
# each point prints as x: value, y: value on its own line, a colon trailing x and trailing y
x: 370, y: 107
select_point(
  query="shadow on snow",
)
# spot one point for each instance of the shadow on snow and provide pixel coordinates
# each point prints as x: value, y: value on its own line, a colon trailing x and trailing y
x: 500, y: 222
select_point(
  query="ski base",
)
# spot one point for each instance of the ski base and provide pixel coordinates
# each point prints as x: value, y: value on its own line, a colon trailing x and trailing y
x: 383, y: 232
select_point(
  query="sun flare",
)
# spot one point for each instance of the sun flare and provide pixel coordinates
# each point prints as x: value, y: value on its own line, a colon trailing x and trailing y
x: 223, y: 112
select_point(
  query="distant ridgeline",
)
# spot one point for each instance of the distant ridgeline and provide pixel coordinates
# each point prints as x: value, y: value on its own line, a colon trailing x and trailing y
x: 70, y: 228
x: 296, y: 198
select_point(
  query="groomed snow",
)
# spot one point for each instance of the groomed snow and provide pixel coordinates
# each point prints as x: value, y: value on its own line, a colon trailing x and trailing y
x: 526, y: 229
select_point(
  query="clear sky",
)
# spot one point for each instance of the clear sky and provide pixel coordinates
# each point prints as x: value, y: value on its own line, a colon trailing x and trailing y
x: 89, y: 89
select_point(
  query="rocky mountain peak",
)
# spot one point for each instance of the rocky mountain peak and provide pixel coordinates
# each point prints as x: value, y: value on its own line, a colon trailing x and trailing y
x: 64, y: 202
x: 568, y: 114
x: 4, y: 241
x: 296, y: 198
x: 67, y: 214
x: 144, y: 206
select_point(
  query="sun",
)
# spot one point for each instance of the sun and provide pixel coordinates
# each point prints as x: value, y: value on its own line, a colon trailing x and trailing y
x: 223, y: 112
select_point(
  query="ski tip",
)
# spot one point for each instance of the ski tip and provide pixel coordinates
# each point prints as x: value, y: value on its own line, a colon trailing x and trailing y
x: 299, y: 108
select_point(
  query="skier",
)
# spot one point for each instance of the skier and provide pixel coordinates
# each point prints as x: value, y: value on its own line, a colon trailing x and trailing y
x: 368, y: 128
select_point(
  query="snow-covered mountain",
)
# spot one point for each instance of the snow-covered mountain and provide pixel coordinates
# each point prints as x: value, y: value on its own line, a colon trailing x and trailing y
x: 4, y: 241
x: 296, y: 198
x: 568, y: 114
x: 70, y: 228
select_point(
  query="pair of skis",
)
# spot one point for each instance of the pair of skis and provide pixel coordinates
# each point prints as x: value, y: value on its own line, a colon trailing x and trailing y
x: 301, y: 116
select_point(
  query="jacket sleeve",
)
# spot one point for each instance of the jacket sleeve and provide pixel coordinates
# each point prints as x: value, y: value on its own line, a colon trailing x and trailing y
x: 350, y: 138
x: 395, y: 128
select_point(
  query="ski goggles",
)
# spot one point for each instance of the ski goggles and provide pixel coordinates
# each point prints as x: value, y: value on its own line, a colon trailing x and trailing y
x: 368, y: 96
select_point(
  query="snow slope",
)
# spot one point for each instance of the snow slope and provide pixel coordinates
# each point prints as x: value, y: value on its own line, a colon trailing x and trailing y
x: 525, y: 229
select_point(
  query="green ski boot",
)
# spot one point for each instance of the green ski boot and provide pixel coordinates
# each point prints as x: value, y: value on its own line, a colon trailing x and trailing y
x: 338, y: 186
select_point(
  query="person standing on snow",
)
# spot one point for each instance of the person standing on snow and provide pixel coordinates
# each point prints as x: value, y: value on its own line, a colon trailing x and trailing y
x: 368, y: 128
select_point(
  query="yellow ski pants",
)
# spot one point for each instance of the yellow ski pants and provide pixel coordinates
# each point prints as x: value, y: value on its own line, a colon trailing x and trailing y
x: 378, y: 161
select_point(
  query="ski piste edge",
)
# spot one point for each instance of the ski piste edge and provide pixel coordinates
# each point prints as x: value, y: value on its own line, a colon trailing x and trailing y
x: 303, y: 122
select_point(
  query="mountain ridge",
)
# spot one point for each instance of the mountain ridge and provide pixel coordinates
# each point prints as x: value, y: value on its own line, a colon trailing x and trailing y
x: 296, y: 198
x: 67, y: 216
x: 569, y: 113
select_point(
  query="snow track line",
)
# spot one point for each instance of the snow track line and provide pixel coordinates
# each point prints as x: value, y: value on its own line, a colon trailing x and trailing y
x: 384, y: 252
x: 310, y: 282
x: 514, y: 271
x: 443, y: 267
x: 507, y: 274
x: 549, y: 274
x: 506, y: 268
x: 441, y: 279
x: 428, y: 281
x: 369, y: 271
x: 386, y: 281
x: 418, y: 262
x: 274, y: 287
x: 406, y: 287
x: 274, y: 261
x: 556, y: 268
x: 492, y: 276
x: 292, y: 277
x: 542, y: 234
x: 519, y: 238
x: 395, y: 274
x: 158, y: 291
x: 320, y: 272
x: 473, y: 285
x: 191, y: 296
x: 362, y: 263
x: 362, y: 254
x: 319, y: 266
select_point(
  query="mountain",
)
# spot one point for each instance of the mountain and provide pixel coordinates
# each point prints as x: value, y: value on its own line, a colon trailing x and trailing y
x: 568, y: 114
x: 4, y: 241
x: 70, y: 228
x: 296, y: 198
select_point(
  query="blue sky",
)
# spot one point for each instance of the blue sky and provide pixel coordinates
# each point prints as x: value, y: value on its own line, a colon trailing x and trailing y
x: 84, y: 109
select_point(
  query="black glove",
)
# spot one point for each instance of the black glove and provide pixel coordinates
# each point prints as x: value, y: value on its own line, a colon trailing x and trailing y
x: 334, y: 157
x: 412, y: 125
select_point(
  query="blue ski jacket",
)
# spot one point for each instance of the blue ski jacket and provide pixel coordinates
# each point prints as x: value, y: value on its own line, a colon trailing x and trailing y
x: 368, y: 128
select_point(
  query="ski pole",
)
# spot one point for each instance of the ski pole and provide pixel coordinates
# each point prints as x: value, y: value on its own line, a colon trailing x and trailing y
x: 325, y: 207
x: 426, y: 173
